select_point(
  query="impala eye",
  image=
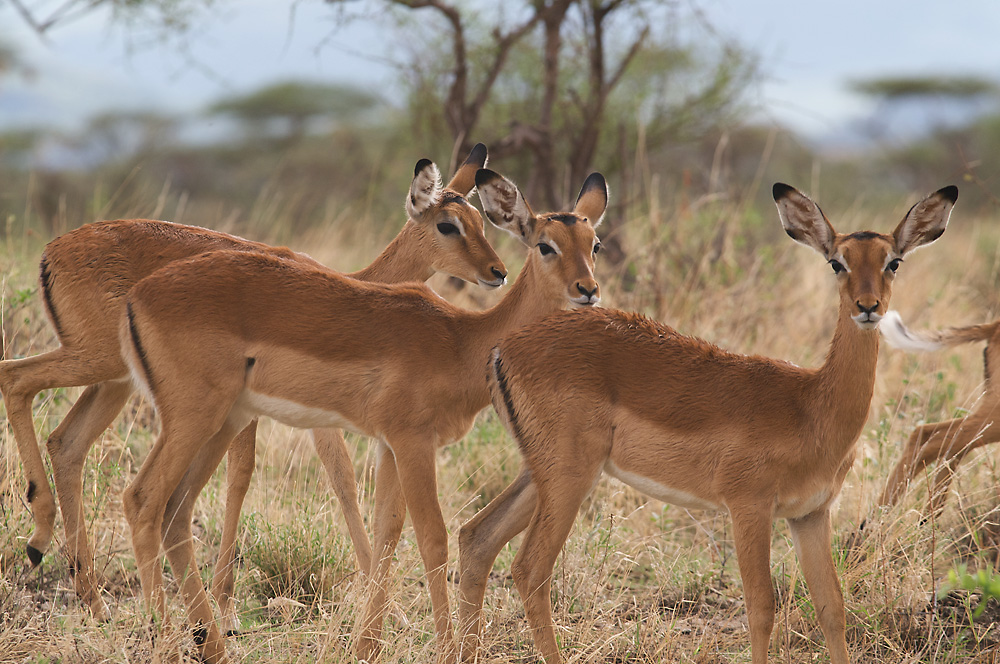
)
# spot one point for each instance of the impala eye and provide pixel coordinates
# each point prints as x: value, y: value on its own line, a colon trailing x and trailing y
x: 894, y: 264
x: 597, y: 248
x: 545, y: 249
x: 837, y: 266
x: 446, y: 228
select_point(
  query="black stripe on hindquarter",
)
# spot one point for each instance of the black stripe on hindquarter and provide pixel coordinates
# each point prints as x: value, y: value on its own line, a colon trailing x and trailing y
x: 508, y: 403
x: 140, y: 351
x: 45, y: 280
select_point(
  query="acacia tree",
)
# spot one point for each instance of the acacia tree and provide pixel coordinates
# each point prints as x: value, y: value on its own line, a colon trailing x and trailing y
x: 536, y: 79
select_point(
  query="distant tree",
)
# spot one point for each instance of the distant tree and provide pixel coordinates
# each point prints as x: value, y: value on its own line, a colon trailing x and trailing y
x: 538, y: 78
x: 921, y: 87
x: 936, y: 98
x: 294, y: 104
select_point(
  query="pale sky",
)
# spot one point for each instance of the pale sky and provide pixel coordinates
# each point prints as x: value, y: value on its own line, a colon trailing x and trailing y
x: 808, y: 49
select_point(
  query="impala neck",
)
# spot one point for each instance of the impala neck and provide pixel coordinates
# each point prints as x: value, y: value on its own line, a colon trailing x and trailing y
x: 528, y: 300
x: 846, y: 383
x: 403, y: 260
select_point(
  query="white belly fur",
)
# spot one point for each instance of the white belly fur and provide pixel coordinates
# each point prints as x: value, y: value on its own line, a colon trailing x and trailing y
x: 659, y: 491
x: 295, y: 414
x: 793, y: 508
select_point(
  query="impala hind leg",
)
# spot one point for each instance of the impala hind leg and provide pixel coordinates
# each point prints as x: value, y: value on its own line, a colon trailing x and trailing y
x: 811, y: 535
x: 68, y: 446
x: 20, y: 381
x: 479, y: 543
x: 558, y: 502
x: 390, y: 512
x: 752, y: 535
x: 178, y: 540
x: 923, y: 446
x: 945, y: 442
x: 975, y: 433
x: 192, y: 433
x: 332, y: 451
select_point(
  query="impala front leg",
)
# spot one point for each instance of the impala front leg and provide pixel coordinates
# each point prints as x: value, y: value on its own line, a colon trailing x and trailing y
x: 241, y: 459
x: 752, y: 535
x: 415, y: 464
x: 390, y: 512
x: 479, y: 543
x: 811, y: 535
x: 558, y: 503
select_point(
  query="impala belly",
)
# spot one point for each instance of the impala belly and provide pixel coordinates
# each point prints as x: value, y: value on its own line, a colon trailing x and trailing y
x: 659, y: 491
x: 295, y: 414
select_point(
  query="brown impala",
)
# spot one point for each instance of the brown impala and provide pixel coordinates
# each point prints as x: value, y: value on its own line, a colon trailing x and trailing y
x: 586, y: 392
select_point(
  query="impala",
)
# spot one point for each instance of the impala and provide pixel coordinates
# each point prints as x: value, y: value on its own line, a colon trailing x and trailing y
x: 945, y: 442
x: 318, y: 350
x: 85, y: 275
x: 686, y: 422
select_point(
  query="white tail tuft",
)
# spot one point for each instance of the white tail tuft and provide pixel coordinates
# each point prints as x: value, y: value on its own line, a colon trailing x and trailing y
x: 897, y: 335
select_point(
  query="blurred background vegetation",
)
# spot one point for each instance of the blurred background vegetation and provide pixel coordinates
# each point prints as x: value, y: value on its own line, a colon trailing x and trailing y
x: 651, y: 96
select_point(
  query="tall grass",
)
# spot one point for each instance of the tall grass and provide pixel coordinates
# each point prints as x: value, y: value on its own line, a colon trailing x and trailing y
x: 638, y: 580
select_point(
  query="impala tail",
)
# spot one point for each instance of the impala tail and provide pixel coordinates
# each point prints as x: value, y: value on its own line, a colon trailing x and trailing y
x: 899, y: 336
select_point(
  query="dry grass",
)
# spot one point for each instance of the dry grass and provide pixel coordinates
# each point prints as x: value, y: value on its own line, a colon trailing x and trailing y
x: 639, y: 580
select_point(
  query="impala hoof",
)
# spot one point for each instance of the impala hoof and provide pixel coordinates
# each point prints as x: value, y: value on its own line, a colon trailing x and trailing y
x: 230, y: 624
x: 34, y: 555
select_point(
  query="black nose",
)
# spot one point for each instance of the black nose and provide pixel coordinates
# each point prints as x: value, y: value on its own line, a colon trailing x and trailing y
x: 867, y: 310
x: 499, y: 274
x: 584, y: 291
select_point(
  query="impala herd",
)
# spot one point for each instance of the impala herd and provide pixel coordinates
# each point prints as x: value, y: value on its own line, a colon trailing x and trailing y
x: 218, y: 331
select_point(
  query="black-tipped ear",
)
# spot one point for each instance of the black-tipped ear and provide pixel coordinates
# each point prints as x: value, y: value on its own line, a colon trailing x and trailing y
x: 780, y: 190
x: 593, y: 199
x: 949, y: 193
x: 478, y: 156
x: 926, y: 221
x: 421, y: 165
x: 424, y: 190
x: 802, y: 219
x: 465, y: 177
x: 485, y: 177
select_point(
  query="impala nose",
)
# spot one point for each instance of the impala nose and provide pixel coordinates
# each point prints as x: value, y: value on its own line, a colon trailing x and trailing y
x: 867, y: 310
x: 586, y: 293
x: 498, y: 273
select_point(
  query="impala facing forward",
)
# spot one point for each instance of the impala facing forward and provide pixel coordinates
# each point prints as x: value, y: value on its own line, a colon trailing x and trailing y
x: 220, y: 339
x: 586, y: 392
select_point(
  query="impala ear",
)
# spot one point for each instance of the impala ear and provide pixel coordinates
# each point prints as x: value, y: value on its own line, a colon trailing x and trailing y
x: 504, y: 205
x: 465, y: 177
x: 926, y: 221
x: 802, y: 219
x: 425, y: 190
x: 593, y: 199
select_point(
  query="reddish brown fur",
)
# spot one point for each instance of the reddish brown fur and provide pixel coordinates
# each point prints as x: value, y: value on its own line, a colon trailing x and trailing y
x: 85, y: 275
x: 396, y: 363
x: 948, y: 442
x: 603, y: 390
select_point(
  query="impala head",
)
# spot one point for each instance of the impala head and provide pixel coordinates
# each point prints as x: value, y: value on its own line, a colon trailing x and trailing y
x: 452, y: 228
x: 562, y: 245
x: 865, y: 262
